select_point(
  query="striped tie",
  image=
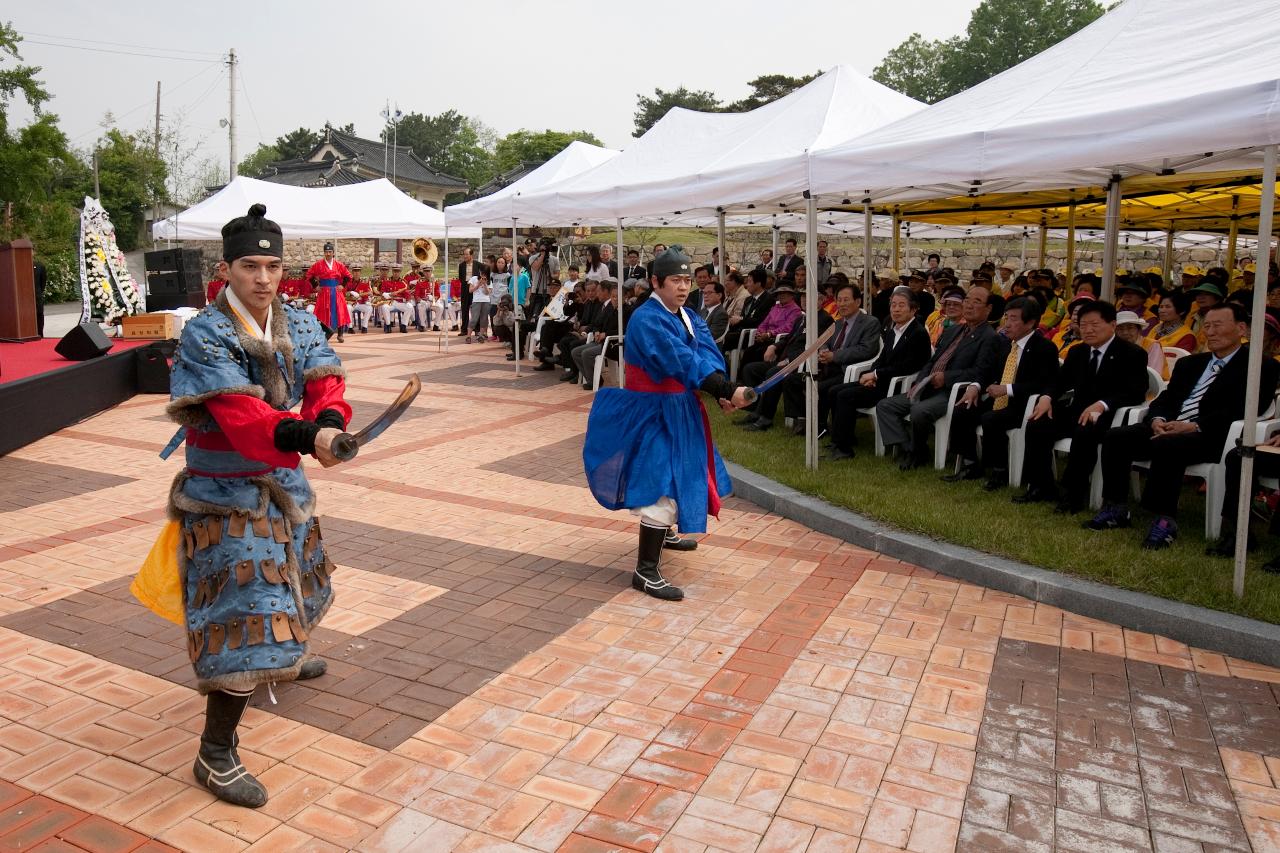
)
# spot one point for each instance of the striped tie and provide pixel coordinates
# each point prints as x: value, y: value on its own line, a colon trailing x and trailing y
x: 1007, y: 377
x: 1191, y: 407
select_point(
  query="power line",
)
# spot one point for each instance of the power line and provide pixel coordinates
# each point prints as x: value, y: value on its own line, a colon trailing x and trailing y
x: 244, y: 88
x: 60, y: 37
x: 151, y: 101
x: 110, y: 50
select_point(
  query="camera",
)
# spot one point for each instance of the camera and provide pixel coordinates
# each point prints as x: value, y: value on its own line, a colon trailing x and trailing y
x: 548, y: 244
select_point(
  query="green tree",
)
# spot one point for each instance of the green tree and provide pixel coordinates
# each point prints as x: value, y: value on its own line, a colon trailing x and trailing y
x: 256, y: 163
x: 132, y: 178
x: 451, y: 143
x: 1000, y: 34
x: 297, y: 143
x: 768, y: 88
x: 20, y: 79
x: 915, y: 67
x: 650, y: 110
x: 527, y: 146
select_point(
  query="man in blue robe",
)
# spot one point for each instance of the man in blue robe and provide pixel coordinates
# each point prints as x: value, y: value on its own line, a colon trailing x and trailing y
x: 648, y: 446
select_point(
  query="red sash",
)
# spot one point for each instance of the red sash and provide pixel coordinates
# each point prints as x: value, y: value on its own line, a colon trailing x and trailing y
x: 639, y: 380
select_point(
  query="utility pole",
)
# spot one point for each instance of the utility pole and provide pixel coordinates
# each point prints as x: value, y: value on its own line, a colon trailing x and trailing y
x: 231, y: 116
x: 155, y: 209
x: 97, y: 191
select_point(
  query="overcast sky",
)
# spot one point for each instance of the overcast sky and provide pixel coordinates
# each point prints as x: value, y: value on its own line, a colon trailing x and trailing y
x: 566, y: 65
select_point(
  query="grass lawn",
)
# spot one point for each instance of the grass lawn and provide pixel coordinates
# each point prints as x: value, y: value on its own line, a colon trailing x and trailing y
x: 966, y: 515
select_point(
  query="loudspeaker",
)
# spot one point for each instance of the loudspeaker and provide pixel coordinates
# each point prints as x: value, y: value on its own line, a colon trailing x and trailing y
x: 154, y: 367
x: 171, y: 301
x: 185, y: 281
x: 170, y: 260
x: 84, y: 342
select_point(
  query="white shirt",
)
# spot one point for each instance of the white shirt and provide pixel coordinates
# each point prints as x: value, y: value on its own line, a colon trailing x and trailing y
x: 1021, y: 346
x: 898, y: 331
x: 243, y: 310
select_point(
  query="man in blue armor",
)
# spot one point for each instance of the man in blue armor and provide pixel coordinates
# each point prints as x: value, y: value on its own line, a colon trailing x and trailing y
x: 648, y: 446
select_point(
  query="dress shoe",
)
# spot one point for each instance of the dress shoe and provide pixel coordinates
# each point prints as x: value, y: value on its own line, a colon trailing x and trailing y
x: 911, y: 461
x: 1067, y: 507
x: 835, y: 454
x: 798, y: 427
x: 968, y: 472
x: 1225, y: 546
x: 570, y: 376
x: 511, y: 356
x: 759, y: 425
x: 994, y: 483
x: 545, y: 366
x: 1033, y: 496
x: 748, y: 418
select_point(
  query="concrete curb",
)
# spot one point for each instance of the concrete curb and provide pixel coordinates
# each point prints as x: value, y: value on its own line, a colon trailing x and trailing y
x: 1241, y: 637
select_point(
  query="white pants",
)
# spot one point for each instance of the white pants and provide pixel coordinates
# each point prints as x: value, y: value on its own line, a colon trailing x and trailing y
x: 660, y: 514
x: 360, y: 314
x: 425, y: 312
x: 399, y: 311
x: 448, y: 316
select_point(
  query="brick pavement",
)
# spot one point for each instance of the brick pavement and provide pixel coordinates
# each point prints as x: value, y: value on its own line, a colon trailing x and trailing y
x: 494, y: 683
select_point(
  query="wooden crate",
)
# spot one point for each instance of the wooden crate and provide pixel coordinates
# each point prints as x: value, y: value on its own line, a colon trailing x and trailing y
x: 159, y: 326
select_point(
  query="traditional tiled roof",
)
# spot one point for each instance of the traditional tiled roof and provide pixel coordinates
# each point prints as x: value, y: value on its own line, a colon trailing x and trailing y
x: 408, y: 165
x: 506, y: 179
x: 304, y: 173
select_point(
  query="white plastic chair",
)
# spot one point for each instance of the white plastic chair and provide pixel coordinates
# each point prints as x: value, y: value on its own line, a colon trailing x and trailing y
x: 1171, y: 356
x: 1266, y: 429
x: 897, y: 385
x: 1017, y: 443
x: 600, y: 360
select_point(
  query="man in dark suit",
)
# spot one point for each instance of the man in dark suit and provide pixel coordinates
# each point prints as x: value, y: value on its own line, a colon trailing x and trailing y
x: 713, y: 309
x: 1102, y: 374
x: 466, y: 270
x: 967, y: 352
x: 584, y: 355
x: 634, y: 269
x: 1187, y: 424
x: 785, y: 267
x: 784, y: 350
x: 904, y: 348
x: 756, y: 307
x: 1030, y: 368
x: 856, y: 338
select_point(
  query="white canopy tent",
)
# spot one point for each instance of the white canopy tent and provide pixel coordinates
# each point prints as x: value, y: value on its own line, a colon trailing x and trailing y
x: 370, y: 209
x: 692, y: 161
x: 497, y: 209
x: 1094, y: 105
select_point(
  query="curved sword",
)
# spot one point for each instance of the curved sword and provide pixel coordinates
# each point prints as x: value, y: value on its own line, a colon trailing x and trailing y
x: 347, y: 445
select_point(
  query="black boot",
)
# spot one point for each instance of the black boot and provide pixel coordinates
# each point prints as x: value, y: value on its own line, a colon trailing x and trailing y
x: 404, y: 330
x: 312, y: 668
x: 386, y: 327
x: 647, y: 578
x: 218, y: 765
x: 674, y: 542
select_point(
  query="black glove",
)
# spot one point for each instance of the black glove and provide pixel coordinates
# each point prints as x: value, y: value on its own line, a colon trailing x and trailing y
x: 718, y: 385
x: 294, y: 435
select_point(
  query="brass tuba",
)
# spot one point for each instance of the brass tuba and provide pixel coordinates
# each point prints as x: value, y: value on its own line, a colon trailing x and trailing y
x: 425, y: 251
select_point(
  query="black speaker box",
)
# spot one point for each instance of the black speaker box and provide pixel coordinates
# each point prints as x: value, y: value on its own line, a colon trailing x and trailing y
x: 154, y: 367
x: 172, y: 260
x: 84, y: 342
x: 186, y: 281
x: 169, y: 301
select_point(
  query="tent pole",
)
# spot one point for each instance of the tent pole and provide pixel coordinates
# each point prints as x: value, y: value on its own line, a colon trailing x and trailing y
x: 868, y: 280
x: 1022, y: 260
x: 1168, y: 253
x: 906, y: 249
x: 724, y: 261
x: 622, y: 380
x: 1071, y: 244
x: 1233, y: 233
x: 1110, y: 238
x: 1042, y: 248
x: 515, y: 292
x: 774, y: 256
x: 811, y: 334
x: 897, y: 241
x: 1256, y: 332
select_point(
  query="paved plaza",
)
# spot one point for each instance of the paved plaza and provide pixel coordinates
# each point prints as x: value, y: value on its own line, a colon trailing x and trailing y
x: 495, y: 684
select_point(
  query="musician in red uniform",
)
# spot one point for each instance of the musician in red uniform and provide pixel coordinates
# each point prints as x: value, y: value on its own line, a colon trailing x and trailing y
x: 211, y: 289
x: 360, y: 292
x: 329, y: 276
x: 396, y: 311
x: 424, y: 301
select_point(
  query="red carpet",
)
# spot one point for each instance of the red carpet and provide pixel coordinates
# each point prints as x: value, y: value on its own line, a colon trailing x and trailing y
x: 18, y: 361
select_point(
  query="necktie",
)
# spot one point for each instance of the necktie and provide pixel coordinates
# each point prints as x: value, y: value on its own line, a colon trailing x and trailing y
x: 1006, y: 377
x: 1191, y: 406
x: 940, y: 365
x: 1094, y: 360
x: 840, y: 337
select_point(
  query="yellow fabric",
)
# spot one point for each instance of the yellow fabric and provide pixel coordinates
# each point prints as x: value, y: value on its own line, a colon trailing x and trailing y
x: 157, y: 584
x: 1059, y: 341
x: 1171, y: 339
x: 1006, y: 377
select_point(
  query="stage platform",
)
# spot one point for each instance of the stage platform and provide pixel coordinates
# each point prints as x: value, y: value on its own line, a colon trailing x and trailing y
x: 41, y: 392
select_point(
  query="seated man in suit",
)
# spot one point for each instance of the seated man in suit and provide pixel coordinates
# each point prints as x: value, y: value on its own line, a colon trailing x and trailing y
x: 904, y: 348
x: 1101, y: 375
x: 1030, y: 368
x: 1265, y: 464
x: 713, y: 310
x: 1187, y: 424
x: 856, y: 338
x: 756, y: 305
x: 784, y: 350
x: 967, y: 352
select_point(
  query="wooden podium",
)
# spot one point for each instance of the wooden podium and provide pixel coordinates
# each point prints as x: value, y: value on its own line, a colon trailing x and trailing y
x: 17, y: 292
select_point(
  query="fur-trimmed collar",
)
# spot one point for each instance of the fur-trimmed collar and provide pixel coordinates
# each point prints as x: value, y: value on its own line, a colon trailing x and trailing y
x: 268, y: 371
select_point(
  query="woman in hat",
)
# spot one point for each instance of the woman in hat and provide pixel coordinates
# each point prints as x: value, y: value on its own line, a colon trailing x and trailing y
x: 648, y: 446
x: 329, y: 276
x: 254, y: 571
